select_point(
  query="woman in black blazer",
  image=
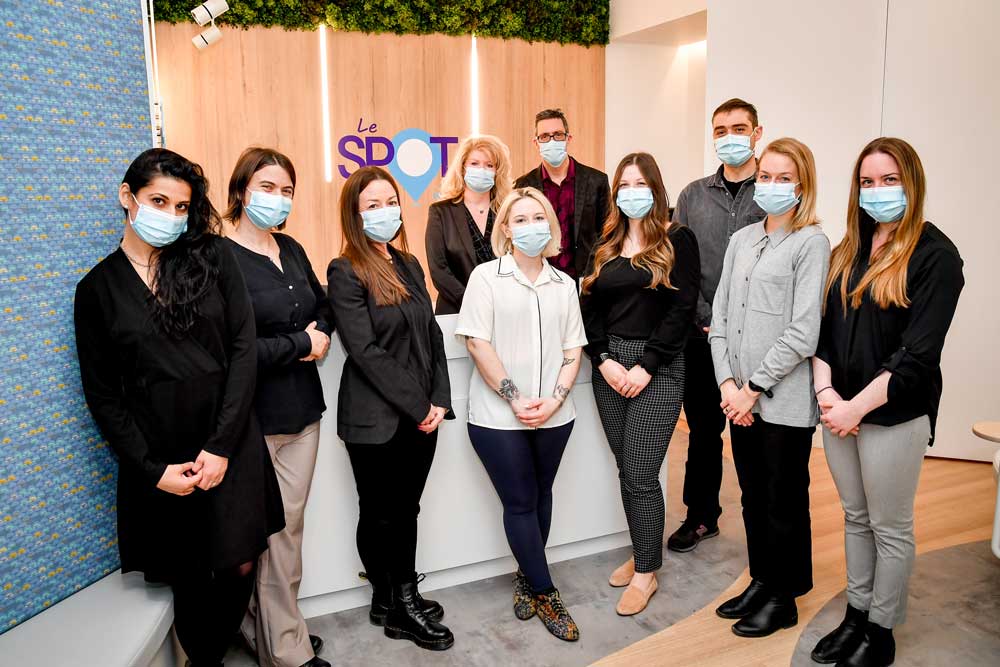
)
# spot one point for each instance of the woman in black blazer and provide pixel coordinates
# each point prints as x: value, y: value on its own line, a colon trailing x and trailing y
x: 460, y: 224
x: 394, y: 392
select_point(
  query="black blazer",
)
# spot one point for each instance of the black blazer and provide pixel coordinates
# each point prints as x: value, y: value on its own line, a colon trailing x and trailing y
x: 385, y: 379
x: 590, y: 200
x: 450, y: 253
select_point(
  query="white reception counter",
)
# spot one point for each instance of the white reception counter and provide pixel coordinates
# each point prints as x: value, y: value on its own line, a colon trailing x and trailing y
x: 461, y: 534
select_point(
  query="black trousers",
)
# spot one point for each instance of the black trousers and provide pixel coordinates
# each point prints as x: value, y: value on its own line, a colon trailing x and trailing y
x: 772, y: 463
x: 703, y: 471
x: 390, y: 478
x: 208, y: 610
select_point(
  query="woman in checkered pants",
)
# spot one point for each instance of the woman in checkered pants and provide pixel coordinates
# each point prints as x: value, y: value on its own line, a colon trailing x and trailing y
x: 638, y: 305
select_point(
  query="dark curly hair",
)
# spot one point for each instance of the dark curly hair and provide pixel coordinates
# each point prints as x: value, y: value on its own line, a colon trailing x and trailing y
x: 189, y: 266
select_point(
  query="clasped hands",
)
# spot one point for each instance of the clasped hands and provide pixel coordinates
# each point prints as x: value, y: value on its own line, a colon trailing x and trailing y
x: 840, y: 416
x: 629, y: 383
x: 205, y: 473
x: 737, y: 403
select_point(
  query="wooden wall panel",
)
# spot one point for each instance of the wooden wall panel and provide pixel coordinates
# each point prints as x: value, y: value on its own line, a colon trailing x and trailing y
x: 263, y: 87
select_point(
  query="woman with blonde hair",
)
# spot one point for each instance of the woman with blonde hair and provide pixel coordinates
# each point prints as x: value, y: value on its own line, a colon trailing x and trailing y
x: 460, y: 225
x: 638, y: 304
x: 520, y: 410
x: 765, y: 326
x: 893, y: 288
x: 394, y: 393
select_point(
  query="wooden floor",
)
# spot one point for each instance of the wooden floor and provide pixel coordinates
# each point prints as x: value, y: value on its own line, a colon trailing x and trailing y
x: 955, y: 502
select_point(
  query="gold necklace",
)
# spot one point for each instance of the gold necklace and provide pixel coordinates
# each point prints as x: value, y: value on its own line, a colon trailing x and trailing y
x: 133, y: 259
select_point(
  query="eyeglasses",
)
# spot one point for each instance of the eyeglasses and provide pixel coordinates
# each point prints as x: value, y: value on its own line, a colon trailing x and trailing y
x: 546, y: 138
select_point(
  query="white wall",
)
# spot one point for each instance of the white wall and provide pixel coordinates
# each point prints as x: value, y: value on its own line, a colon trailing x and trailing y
x: 629, y: 16
x: 815, y: 72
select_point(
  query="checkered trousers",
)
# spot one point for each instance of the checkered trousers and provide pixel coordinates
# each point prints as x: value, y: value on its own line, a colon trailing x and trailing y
x: 639, y: 430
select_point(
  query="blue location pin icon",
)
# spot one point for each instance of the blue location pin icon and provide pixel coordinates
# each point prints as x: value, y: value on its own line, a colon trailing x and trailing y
x: 416, y: 162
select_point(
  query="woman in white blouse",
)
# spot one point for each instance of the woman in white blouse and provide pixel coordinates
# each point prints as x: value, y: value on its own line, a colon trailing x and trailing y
x: 521, y: 321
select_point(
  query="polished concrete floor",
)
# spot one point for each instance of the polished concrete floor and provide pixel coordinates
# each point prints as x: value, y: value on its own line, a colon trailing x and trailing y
x: 953, y: 616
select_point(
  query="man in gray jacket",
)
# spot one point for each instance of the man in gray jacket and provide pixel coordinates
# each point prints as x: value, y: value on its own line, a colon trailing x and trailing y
x: 714, y: 207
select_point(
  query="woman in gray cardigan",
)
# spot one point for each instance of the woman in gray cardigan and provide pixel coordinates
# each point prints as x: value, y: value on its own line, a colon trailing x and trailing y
x: 765, y: 327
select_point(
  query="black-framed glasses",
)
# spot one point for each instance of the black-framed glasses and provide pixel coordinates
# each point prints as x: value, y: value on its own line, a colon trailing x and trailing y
x: 546, y: 138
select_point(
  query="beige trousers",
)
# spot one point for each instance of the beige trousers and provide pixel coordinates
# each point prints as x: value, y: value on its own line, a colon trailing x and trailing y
x: 273, y: 623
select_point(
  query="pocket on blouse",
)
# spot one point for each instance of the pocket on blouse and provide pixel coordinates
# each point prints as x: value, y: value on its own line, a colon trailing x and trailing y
x: 767, y: 293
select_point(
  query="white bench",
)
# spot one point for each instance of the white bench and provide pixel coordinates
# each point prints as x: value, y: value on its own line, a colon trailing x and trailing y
x: 119, y: 621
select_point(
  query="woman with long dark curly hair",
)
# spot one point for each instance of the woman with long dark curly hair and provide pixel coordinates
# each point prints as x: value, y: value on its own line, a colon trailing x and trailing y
x: 167, y: 347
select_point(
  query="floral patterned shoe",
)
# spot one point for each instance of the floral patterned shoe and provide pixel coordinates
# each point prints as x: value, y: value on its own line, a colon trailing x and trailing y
x: 524, y: 599
x: 552, y: 611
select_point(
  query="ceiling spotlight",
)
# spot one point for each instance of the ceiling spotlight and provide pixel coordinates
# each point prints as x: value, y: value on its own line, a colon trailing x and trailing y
x: 209, y: 11
x: 206, y: 38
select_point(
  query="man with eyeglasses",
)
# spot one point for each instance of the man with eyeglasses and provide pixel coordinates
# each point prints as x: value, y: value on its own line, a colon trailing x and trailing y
x: 578, y: 193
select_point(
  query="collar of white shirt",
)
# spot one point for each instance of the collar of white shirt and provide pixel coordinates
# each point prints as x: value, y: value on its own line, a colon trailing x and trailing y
x: 508, y: 268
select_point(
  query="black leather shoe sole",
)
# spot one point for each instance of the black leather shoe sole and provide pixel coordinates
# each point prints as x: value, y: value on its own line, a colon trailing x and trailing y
x: 440, y: 645
x: 788, y: 623
x: 683, y: 549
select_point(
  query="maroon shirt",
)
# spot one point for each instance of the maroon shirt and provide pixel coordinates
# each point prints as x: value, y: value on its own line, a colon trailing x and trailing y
x: 563, y: 200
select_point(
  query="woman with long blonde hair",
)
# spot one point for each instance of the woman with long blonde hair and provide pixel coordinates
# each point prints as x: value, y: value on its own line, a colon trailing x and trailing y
x: 893, y: 288
x: 394, y: 393
x: 638, y: 306
x: 765, y: 326
x: 460, y: 225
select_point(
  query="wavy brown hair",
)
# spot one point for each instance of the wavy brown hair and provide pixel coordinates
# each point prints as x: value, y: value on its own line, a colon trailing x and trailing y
x: 375, y: 273
x: 249, y: 163
x: 886, y: 275
x: 657, y: 256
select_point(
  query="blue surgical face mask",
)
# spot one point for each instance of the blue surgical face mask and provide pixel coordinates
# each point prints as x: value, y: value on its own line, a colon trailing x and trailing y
x: 775, y: 198
x: 266, y: 210
x: 531, y: 238
x: 381, y: 224
x: 479, y: 179
x: 553, y: 152
x: 636, y: 203
x: 734, y: 149
x: 157, y: 228
x: 886, y: 204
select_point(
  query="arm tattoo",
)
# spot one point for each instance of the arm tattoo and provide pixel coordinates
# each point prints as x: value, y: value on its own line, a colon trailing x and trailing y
x: 567, y: 361
x: 560, y: 393
x: 508, y: 391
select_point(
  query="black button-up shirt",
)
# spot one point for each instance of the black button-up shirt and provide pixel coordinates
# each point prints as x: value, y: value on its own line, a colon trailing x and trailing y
x: 289, y: 395
x: 859, y: 343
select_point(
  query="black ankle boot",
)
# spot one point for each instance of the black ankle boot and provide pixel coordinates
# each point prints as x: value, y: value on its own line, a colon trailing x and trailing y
x: 745, y: 603
x: 382, y: 600
x: 841, y: 643
x: 877, y: 649
x: 406, y: 620
x: 777, y: 612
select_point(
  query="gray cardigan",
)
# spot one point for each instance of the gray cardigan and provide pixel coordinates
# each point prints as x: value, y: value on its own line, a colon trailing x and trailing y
x: 766, y: 318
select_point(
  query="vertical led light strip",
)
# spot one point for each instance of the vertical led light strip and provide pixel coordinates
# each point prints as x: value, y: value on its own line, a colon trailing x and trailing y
x: 325, y: 90
x: 474, y: 85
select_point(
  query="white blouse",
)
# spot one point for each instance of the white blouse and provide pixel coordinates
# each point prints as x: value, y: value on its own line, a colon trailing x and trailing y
x: 529, y: 326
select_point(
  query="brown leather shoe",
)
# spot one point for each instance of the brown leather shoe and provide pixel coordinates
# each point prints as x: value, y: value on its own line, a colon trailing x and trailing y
x: 623, y: 575
x: 635, y: 599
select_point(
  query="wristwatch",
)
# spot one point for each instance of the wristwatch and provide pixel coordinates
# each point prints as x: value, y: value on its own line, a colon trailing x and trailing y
x: 760, y: 390
x: 602, y: 357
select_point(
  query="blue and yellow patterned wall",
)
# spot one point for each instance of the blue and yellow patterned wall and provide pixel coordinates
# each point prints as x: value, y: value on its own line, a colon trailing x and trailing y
x: 74, y: 111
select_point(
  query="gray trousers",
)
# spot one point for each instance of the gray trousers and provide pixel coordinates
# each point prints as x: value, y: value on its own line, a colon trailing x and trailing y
x: 876, y: 474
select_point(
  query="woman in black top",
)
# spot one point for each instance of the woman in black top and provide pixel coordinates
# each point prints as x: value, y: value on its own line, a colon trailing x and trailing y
x: 293, y: 321
x: 394, y: 392
x: 165, y: 336
x: 638, y: 306
x: 460, y: 225
x: 891, y: 295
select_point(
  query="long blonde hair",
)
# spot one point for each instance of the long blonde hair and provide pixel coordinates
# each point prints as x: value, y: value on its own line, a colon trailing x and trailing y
x: 805, y: 164
x: 502, y: 244
x: 453, y: 183
x: 657, y: 256
x: 886, y: 275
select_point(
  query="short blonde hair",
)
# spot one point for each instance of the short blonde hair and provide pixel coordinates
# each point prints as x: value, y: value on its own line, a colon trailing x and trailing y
x: 798, y: 153
x: 453, y: 183
x: 502, y: 244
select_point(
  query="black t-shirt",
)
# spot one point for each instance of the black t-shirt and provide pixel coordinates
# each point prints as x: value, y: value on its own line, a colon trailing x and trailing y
x: 621, y: 304
x: 859, y: 343
x: 734, y: 186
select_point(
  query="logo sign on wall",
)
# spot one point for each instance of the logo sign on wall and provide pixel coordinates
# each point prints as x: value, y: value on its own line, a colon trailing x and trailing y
x: 413, y: 156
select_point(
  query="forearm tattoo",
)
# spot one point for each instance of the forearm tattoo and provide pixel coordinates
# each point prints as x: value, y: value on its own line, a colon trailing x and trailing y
x: 560, y: 393
x: 508, y: 391
x: 567, y: 361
